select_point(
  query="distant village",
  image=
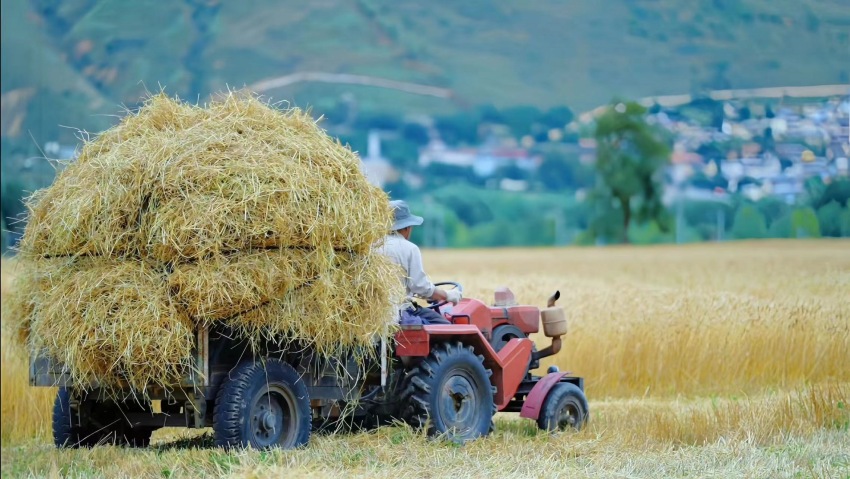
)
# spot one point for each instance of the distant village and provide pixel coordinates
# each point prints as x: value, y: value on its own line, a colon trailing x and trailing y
x: 763, y: 152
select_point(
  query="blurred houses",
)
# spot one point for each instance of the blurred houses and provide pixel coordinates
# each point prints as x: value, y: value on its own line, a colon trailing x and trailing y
x: 484, y: 160
x: 773, y: 155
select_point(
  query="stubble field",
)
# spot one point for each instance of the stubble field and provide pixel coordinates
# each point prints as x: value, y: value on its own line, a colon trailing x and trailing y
x: 722, y: 360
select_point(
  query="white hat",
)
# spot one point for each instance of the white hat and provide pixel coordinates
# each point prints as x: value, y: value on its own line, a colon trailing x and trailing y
x: 403, y: 217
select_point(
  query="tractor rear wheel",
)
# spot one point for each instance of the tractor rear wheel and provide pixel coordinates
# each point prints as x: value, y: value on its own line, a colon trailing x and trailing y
x: 564, y: 407
x: 262, y: 406
x: 504, y: 333
x: 450, y: 392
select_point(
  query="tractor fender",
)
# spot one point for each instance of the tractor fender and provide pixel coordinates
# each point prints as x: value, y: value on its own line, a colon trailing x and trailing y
x: 534, y: 402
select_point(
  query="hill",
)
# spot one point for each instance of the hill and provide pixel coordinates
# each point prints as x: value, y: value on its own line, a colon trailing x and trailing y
x: 85, y: 57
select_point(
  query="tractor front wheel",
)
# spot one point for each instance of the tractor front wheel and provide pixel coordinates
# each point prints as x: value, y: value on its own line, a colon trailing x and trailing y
x: 450, y: 391
x: 262, y: 406
x: 564, y: 407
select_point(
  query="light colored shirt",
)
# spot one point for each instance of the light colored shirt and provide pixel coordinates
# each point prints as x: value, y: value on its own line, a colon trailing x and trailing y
x: 408, y: 256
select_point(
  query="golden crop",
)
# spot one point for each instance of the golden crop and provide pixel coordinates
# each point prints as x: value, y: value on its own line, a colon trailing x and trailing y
x: 713, y: 359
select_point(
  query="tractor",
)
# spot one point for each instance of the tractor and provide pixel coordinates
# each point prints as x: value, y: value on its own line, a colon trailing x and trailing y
x: 448, y: 378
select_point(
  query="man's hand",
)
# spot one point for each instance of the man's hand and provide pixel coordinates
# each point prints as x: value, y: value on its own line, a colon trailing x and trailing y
x: 453, y: 296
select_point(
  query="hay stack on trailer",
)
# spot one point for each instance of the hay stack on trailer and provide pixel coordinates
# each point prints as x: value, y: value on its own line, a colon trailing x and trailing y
x: 182, y: 216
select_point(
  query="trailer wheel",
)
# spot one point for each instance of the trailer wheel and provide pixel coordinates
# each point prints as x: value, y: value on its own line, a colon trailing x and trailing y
x: 564, y: 407
x: 67, y: 432
x: 450, y: 392
x: 262, y: 406
x: 99, y: 423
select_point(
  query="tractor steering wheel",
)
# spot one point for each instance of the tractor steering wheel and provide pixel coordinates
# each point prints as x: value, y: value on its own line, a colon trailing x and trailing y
x: 435, y: 305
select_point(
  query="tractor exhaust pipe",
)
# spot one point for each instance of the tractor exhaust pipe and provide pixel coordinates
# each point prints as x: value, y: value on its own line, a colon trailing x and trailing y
x: 554, y: 326
x: 551, y: 302
x: 550, y: 350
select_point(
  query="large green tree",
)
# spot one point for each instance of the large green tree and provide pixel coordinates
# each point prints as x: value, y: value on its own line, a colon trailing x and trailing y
x: 749, y: 223
x: 630, y: 154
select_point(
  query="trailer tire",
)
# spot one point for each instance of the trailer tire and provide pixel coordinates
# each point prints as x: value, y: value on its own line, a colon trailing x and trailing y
x: 262, y: 405
x: 564, y: 407
x: 67, y: 433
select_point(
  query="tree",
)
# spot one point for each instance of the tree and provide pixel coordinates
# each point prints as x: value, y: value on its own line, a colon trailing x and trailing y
x: 2, y: 234
x: 415, y: 133
x: 829, y: 216
x: 520, y: 119
x: 629, y: 159
x: 749, y: 223
x: 805, y: 224
x: 845, y: 223
x: 559, y: 171
x: 838, y: 191
x: 557, y: 117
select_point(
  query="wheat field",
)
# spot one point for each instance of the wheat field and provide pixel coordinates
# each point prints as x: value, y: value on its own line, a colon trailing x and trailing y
x: 721, y: 360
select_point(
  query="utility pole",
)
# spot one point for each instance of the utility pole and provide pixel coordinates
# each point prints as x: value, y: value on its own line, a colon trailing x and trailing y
x: 558, y: 218
x: 680, y: 216
x: 721, y: 223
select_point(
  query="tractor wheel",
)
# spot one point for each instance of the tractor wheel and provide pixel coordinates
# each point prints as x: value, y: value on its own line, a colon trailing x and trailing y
x: 262, y: 406
x: 450, y: 392
x: 504, y: 333
x: 564, y: 407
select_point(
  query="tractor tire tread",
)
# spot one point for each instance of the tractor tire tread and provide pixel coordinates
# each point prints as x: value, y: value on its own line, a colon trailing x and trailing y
x: 418, y: 391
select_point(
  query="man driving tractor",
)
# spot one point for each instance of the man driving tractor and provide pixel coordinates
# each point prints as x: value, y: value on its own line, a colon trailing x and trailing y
x: 398, y: 247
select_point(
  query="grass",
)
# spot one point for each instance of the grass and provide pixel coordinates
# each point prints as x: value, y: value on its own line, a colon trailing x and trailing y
x: 722, y: 360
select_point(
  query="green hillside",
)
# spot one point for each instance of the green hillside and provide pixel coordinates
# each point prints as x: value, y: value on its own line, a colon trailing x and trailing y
x: 85, y: 57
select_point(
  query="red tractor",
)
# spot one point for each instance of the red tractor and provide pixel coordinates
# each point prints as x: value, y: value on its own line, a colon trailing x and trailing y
x: 458, y: 375
x: 450, y: 378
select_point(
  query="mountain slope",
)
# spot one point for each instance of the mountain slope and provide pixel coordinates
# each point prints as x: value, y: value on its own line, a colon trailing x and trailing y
x: 511, y: 52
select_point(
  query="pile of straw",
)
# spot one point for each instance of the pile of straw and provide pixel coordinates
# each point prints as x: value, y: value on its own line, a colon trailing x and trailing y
x: 181, y: 216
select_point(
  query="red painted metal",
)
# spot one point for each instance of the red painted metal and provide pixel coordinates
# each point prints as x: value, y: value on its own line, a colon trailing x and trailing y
x: 412, y: 342
x: 513, y: 359
x: 474, y: 312
x: 534, y: 401
x: 526, y: 318
x: 509, y: 365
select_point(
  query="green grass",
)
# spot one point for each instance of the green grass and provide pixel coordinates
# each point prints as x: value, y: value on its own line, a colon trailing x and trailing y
x: 514, y: 450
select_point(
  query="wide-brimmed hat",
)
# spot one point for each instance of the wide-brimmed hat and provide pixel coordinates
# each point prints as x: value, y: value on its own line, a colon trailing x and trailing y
x: 403, y: 217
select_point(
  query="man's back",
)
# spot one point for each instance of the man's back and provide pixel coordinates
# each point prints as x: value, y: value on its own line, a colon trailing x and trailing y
x: 407, y: 255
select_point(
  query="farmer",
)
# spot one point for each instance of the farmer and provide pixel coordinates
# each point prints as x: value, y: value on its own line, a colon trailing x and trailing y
x: 400, y: 250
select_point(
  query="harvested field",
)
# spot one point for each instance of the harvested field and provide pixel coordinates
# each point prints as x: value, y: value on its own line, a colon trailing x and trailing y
x: 710, y: 360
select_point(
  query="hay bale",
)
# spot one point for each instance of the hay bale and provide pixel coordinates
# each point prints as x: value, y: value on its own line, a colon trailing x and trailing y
x: 176, y: 182
x: 223, y: 287
x: 108, y: 321
x: 343, y: 308
x: 181, y: 216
